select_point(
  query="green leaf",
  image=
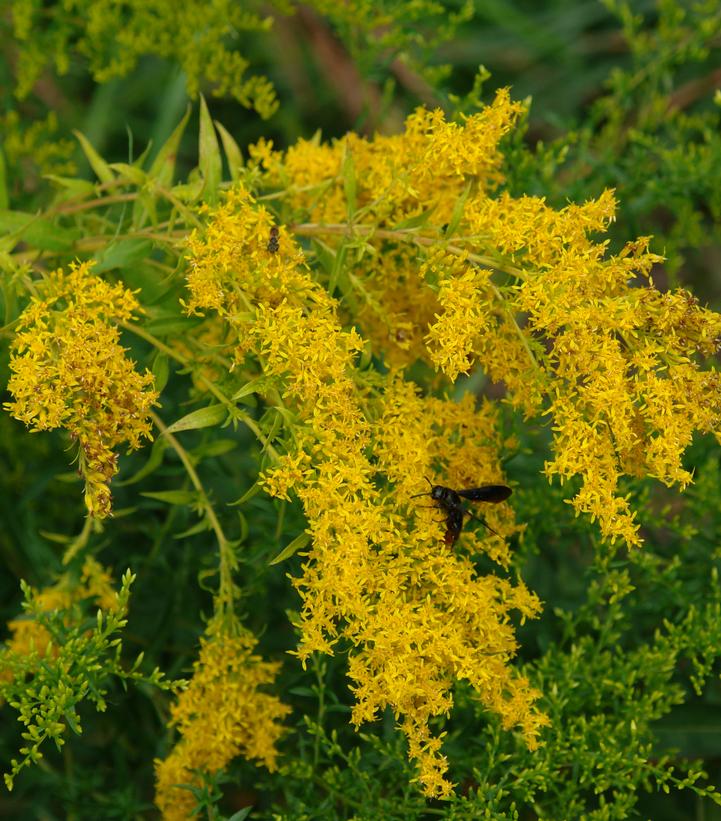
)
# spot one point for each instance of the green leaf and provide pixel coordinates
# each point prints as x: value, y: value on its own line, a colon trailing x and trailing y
x: 252, y: 491
x: 216, y: 447
x: 349, y: 183
x: 75, y: 187
x: 210, y: 161
x: 243, y: 522
x: 163, y: 166
x: 161, y: 371
x: 131, y: 173
x: 72, y: 718
x: 253, y: 386
x: 232, y: 152
x: 122, y: 254
x: 37, y: 232
x: 57, y: 538
x: 324, y: 255
x: 189, y: 192
x: 458, y: 209
x: 145, y: 208
x: 337, y: 270
x: 331, y: 261
x: 68, y: 477
x: 241, y: 815
x: 9, y: 300
x: 200, y: 527
x: 173, y: 497
x: 171, y: 325
x: 301, y: 540
x: 154, y: 461
x: 140, y: 159
x: 97, y: 163
x: 203, y: 418
x: 306, y: 692
x: 415, y: 222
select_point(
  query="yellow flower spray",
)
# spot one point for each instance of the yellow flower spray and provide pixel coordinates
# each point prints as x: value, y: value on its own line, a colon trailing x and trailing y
x: 70, y: 371
x: 457, y: 275
x: 413, y: 271
x: 414, y: 615
x: 221, y: 714
x: 432, y: 264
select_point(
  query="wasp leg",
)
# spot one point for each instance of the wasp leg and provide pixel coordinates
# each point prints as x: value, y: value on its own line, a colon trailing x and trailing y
x: 482, y: 521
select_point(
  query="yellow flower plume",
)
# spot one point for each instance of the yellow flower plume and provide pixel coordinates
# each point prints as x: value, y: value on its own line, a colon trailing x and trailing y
x: 70, y: 371
x: 378, y: 580
x: 223, y: 713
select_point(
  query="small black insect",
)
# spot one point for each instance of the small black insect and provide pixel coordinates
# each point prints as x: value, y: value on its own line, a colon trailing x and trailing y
x: 451, y: 503
x: 273, y: 244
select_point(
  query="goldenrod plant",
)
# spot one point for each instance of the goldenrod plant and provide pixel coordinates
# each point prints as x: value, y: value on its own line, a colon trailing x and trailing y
x: 238, y: 388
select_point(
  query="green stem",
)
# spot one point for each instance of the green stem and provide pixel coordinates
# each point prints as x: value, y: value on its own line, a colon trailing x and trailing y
x: 79, y: 541
x: 227, y: 559
x: 213, y: 389
x: 408, y: 234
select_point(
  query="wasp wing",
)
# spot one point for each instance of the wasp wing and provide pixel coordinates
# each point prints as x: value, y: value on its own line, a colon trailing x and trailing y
x: 486, y: 493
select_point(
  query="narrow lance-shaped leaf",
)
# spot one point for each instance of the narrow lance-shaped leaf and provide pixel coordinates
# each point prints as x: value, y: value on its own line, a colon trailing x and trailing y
x: 203, y: 418
x: 301, y: 540
x: 349, y: 183
x: 161, y: 371
x: 210, y: 161
x: 154, y: 461
x: 457, y: 213
x: 97, y: 163
x: 253, y: 386
x: 324, y: 254
x: 416, y: 221
x: 163, y: 165
x: 36, y: 231
x: 335, y: 273
x: 129, y: 173
x: 4, y: 201
x: 124, y: 253
x: 232, y: 152
x: 172, y: 497
x: 252, y: 491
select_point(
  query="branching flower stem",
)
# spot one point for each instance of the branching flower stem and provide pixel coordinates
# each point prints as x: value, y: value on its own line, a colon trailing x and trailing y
x: 314, y: 229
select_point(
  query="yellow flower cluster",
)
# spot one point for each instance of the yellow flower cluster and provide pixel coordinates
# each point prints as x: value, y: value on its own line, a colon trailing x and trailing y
x: 432, y: 263
x: 467, y: 304
x: 70, y: 371
x: 378, y: 578
x: 396, y: 177
x: 452, y: 272
x: 222, y: 714
x: 27, y: 637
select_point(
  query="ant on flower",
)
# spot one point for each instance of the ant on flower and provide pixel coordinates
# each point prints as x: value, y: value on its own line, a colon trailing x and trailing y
x: 273, y: 244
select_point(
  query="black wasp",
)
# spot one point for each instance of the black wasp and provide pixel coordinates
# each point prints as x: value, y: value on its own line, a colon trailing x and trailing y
x: 451, y: 503
x: 273, y: 244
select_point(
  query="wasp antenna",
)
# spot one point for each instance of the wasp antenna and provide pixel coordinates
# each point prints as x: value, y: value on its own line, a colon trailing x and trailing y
x: 417, y: 495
